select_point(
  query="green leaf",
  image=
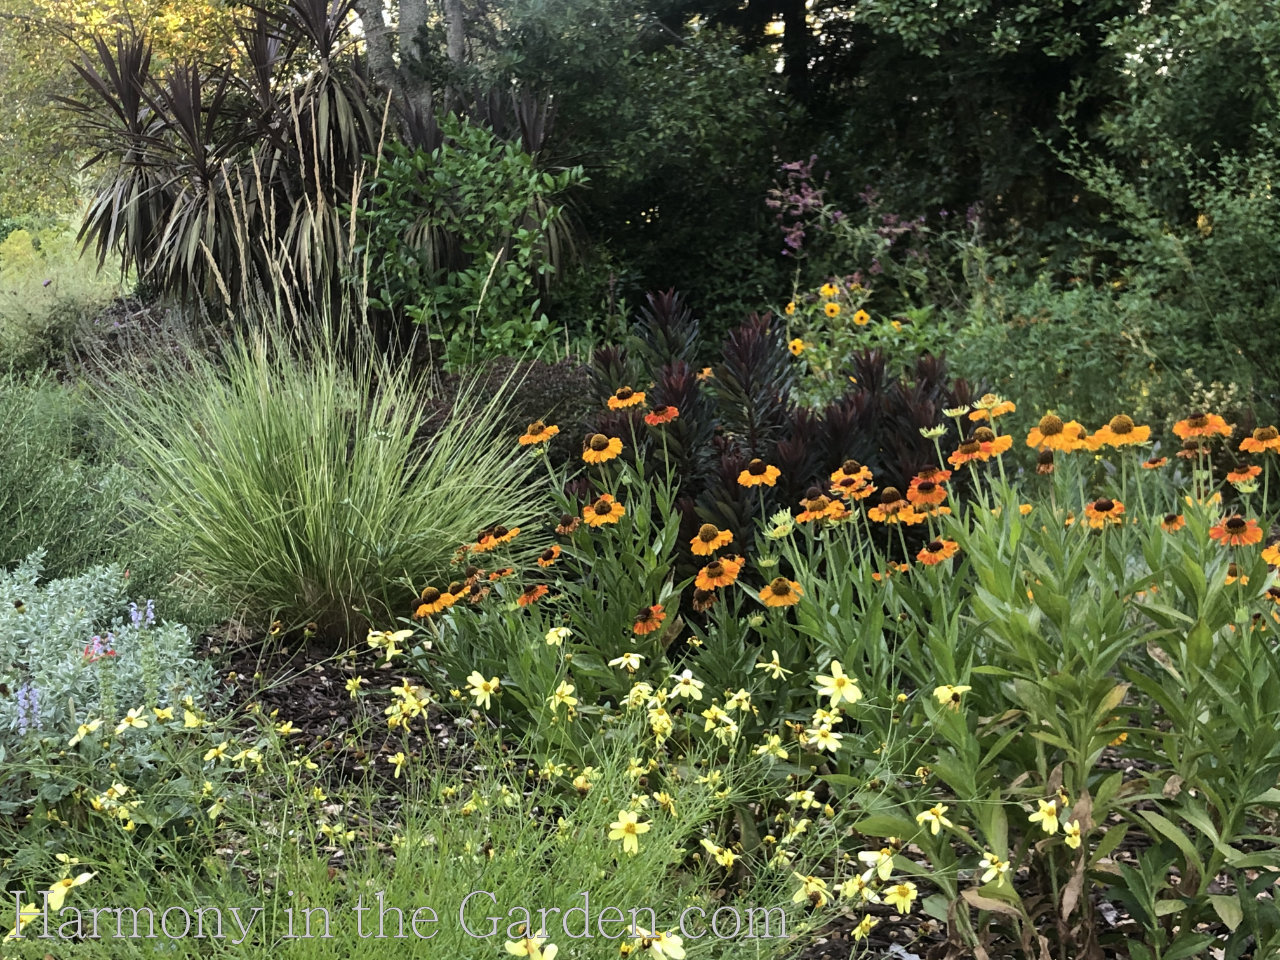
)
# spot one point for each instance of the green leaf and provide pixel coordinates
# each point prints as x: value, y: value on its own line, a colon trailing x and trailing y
x: 1228, y: 910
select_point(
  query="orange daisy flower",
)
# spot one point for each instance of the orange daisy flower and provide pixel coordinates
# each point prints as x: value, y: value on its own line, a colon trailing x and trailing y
x: 1173, y: 522
x: 1234, y: 574
x: 926, y: 493
x: 660, y: 415
x: 1103, y: 511
x: 853, y: 470
x: 568, y: 524
x: 604, y: 510
x: 1202, y: 425
x: 1044, y: 461
x: 500, y: 574
x: 967, y: 452
x: 1154, y: 463
x: 433, y: 600
x: 1244, y: 474
x: 992, y: 445
x: 710, y: 538
x: 625, y: 397
x: 718, y: 573
x: 936, y: 474
x: 853, y: 488
x: 892, y: 503
x: 990, y: 407
x: 893, y: 568
x: 759, y: 473
x: 705, y: 374
x: 815, y: 508
x: 600, y: 448
x: 703, y: 600
x: 1261, y: 440
x: 1271, y: 554
x: 648, y: 620
x: 532, y: 594
x: 1052, y: 433
x: 1191, y: 450
x: 1120, y: 432
x: 838, y: 511
x: 1236, y: 532
x: 781, y: 592
x: 549, y: 555
x: 537, y: 432
x: 935, y: 551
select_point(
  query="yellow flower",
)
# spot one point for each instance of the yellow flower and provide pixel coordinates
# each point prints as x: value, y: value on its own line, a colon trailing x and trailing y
x: 828, y: 290
x: 1072, y: 834
x: 482, y: 689
x: 774, y: 667
x: 949, y: 696
x: 824, y: 738
x: 556, y: 636
x: 796, y: 347
x: 861, y: 318
x: 838, y: 686
x: 191, y: 720
x: 879, y: 864
x: 934, y: 817
x: 353, y: 686
x: 563, y: 696
x: 163, y: 713
x: 863, y: 929
x: 58, y: 892
x: 813, y: 889
x: 993, y: 867
x: 901, y: 895
x: 216, y: 753
x: 532, y: 947
x: 286, y: 729
x: 628, y: 828
x: 398, y: 761
x: 687, y: 685
x: 83, y: 731
x: 790, y: 308
x: 831, y: 309
x: 628, y: 661
x: 131, y: 719
x: 1046, y: 816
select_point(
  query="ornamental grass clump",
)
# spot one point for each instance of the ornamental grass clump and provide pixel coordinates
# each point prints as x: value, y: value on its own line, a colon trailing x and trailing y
x: 306, y: 488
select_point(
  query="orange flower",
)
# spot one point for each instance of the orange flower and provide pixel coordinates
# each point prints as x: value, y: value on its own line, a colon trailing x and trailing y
x: 781, y: 592
x: 1120, y: 432
x: 1192, y: 449
x: 600, y: 448
x: 568, y: 524
x: 1234, y: 574
x: 648, y: 620
x: 1236, y: 532
x: 990, y: 407
x: 1155, y: 463
x: 433, y: 600
x: 891, y: 505
x: 1052, y: 433
x: 893, y: 568
x: 1044, y: 461
x: 660, y: 415
x: 926, y: 492
x: 499, y: 574
x: 1262, y: 440
x: 703, y: 600
x: 815, y: 508
x: 935, y: 551
x: 718, y: 573
x: 1201, y: 425
x: 1103, y: 511
x: 1272, y: 554
x: 967, y: 452
x: 491, y: 537
x: 852, y: 470
x: 853, y: 488
x: 549, y: 555
x: 532, y: 594
x: 604, y: 510
x: 706, y: 374
x: 1244, y: 474
x: 1173, y: 522
x: 759, y: 473
x: 710, y: 538
x: 625, y: 397
x: 538, y: 432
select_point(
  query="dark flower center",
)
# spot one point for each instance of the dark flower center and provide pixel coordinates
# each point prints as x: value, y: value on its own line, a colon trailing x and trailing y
x: 430, y: 595
x: 1050, y: 425
x: 1044, y: 457
x: 890, y: 495
x: 1121, y: 424
x: 708, y: 532
x: 984, y: 435
x: 599, y: 442
x: 1236, y: 524
x: 1171, y: 518
x: 624, y: 393
x: 1198, y: 420
x: 756, y: 468
x: 1266, y: 433
x: 851, y: 466
x: 926, y: 487
x: 602, y: 507
x: 500, y: 531
x: 1104, y: 506
x: 780, y: 587
x: 715, y: 568
x: 935, y: 546
x: 548, y: 555
x: 537, y: 427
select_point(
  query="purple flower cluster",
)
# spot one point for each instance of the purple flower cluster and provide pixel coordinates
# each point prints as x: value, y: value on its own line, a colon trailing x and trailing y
x: 798, y: 204
x: 28, y: 708
x: 137, y: 617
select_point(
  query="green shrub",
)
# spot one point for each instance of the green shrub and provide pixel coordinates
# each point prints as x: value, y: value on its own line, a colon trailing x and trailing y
x: 56, y: 494
x: 462, y: 238
x: 48, y: 294
x: 311, y: 489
